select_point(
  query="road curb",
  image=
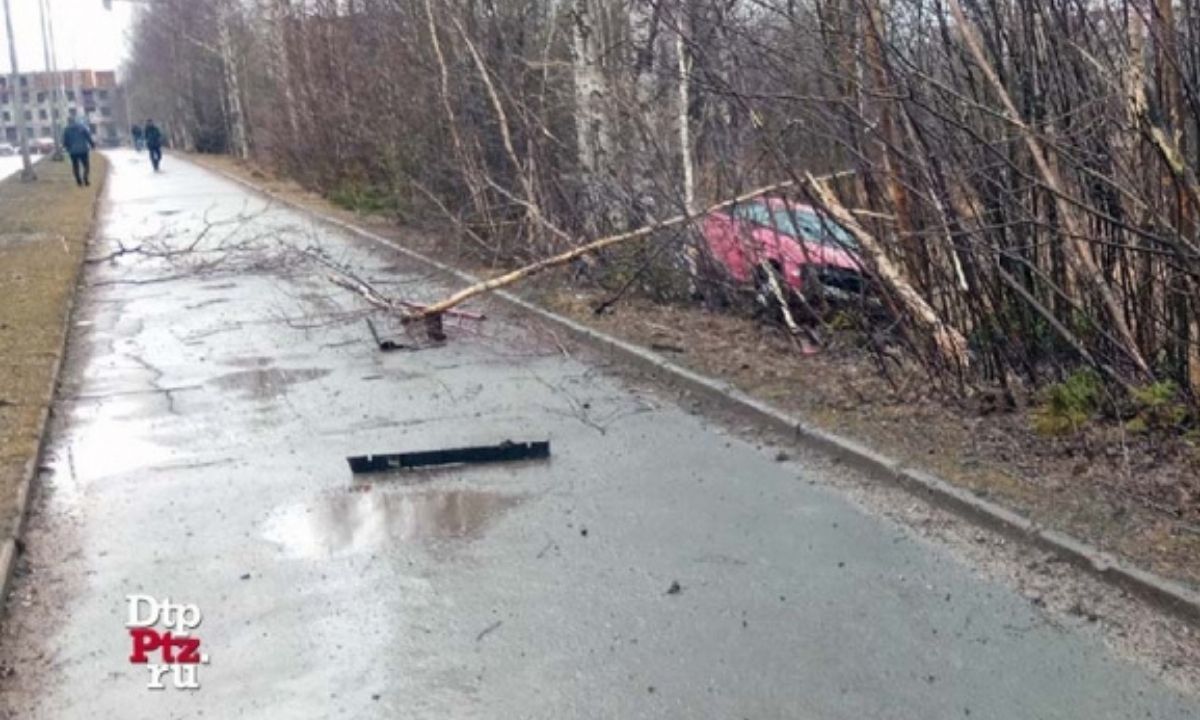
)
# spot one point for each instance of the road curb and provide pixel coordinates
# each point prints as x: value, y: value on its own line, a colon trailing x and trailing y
x: 10, y: 547
x: 1171, y: 596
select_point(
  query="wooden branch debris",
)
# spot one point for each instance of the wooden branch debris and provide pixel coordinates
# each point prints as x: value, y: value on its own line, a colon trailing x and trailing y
x: 343, y: 278
x: 778, y: 295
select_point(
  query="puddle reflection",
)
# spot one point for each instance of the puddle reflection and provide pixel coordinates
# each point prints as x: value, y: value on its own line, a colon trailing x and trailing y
x: 353, y: 522
x: 265, y: 384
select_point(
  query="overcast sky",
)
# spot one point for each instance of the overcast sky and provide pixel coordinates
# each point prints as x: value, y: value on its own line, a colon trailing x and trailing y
x: 88, y: 36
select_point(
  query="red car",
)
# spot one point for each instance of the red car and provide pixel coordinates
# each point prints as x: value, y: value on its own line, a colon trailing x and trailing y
x: 802, y: 245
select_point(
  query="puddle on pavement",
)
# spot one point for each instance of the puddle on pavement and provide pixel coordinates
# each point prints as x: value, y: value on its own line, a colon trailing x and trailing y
x: 265, y: 383
x: 98, y: 446
x: 251, y: 361
x: 353, y: 522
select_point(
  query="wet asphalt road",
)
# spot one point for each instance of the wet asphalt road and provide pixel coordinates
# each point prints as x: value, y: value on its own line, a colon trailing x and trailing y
x: 199, y: 454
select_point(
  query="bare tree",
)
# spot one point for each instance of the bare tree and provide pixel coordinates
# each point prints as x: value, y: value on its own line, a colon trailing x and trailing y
x: 1020, y: 177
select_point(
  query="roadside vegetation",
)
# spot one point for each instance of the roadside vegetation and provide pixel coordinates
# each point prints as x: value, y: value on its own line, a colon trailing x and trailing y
x: 44, y: 228
x: 1019, y: 180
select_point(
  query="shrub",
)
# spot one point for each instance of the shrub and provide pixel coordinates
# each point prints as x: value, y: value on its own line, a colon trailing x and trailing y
x: 1067, y: 405
x: 362, y: 198
x: 1157, y: 407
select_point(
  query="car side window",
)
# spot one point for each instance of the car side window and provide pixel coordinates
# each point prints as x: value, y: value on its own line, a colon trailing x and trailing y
x: 754, y: 213
x: 831, y: 233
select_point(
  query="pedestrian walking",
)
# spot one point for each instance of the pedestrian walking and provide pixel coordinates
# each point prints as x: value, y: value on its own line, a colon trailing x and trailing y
x: 154, y: 140
x: 77, y: 141
x: 136, y: 133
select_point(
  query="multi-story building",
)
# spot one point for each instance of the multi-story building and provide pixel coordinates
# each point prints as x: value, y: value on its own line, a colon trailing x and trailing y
x: 93, y: 94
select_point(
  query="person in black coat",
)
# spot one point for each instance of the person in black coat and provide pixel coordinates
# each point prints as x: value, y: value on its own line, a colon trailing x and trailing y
x: 77, y: 141
x: 154, y: 139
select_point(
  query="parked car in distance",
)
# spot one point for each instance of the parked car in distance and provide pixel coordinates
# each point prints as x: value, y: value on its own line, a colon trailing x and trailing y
x: 803, y: 245
x: 43, y: 145
x: 7, y: 150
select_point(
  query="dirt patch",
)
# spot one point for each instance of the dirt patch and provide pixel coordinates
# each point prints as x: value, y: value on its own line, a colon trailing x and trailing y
x: 44, y: 227
x: 1137, y: 497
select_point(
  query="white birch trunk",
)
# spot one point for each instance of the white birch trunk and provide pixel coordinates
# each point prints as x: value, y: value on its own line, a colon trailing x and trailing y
x: 593, y: 126
x: 278, y: 12
x: 645, y: 121
x: 690, y: 259
x: 233, y: 90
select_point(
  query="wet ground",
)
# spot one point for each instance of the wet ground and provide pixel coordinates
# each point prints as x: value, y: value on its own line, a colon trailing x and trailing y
x: 10, y: 164
x: 656, y: 566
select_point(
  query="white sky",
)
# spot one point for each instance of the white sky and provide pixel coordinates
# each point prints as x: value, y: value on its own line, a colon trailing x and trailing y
x: 87, y: 35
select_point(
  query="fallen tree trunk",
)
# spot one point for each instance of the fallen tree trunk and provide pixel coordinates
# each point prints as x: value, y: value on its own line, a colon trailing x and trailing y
x: 563, y: 258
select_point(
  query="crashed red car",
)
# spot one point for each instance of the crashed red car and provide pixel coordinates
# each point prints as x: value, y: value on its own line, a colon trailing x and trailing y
x: 807, y: 249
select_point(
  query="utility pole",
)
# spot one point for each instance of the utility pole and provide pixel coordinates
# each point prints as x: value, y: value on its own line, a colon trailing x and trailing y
x: 27, y: 173
x: 60, y: 82
x: 51, y: 62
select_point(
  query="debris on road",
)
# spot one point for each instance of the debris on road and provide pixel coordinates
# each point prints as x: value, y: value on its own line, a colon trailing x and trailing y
x: 408, y: 311
x: 507, y: 451
x: 675, y: 588
x: 489, y: 630
x: 667, y: 347
x: 386, y: 345
x: 434, y: 330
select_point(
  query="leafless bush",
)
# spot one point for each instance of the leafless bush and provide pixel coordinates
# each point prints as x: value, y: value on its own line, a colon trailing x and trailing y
x: 1023, y: 173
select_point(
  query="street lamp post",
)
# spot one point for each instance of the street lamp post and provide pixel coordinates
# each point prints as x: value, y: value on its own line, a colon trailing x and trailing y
x: 27, y: 173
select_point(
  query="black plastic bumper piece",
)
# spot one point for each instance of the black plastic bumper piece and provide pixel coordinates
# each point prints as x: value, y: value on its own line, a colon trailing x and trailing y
x: 506, y: 451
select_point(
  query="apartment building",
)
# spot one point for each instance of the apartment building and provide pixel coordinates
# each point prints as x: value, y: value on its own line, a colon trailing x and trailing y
x: 93, y: 94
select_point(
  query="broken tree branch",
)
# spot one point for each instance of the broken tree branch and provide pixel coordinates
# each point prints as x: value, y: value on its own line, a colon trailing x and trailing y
x: 950, y: 344
x: 565, y: 257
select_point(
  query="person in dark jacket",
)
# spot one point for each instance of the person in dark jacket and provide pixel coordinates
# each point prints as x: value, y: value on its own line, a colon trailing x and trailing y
x: 154, y: 140
x: 77, y: 141
x: 136, y: 133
